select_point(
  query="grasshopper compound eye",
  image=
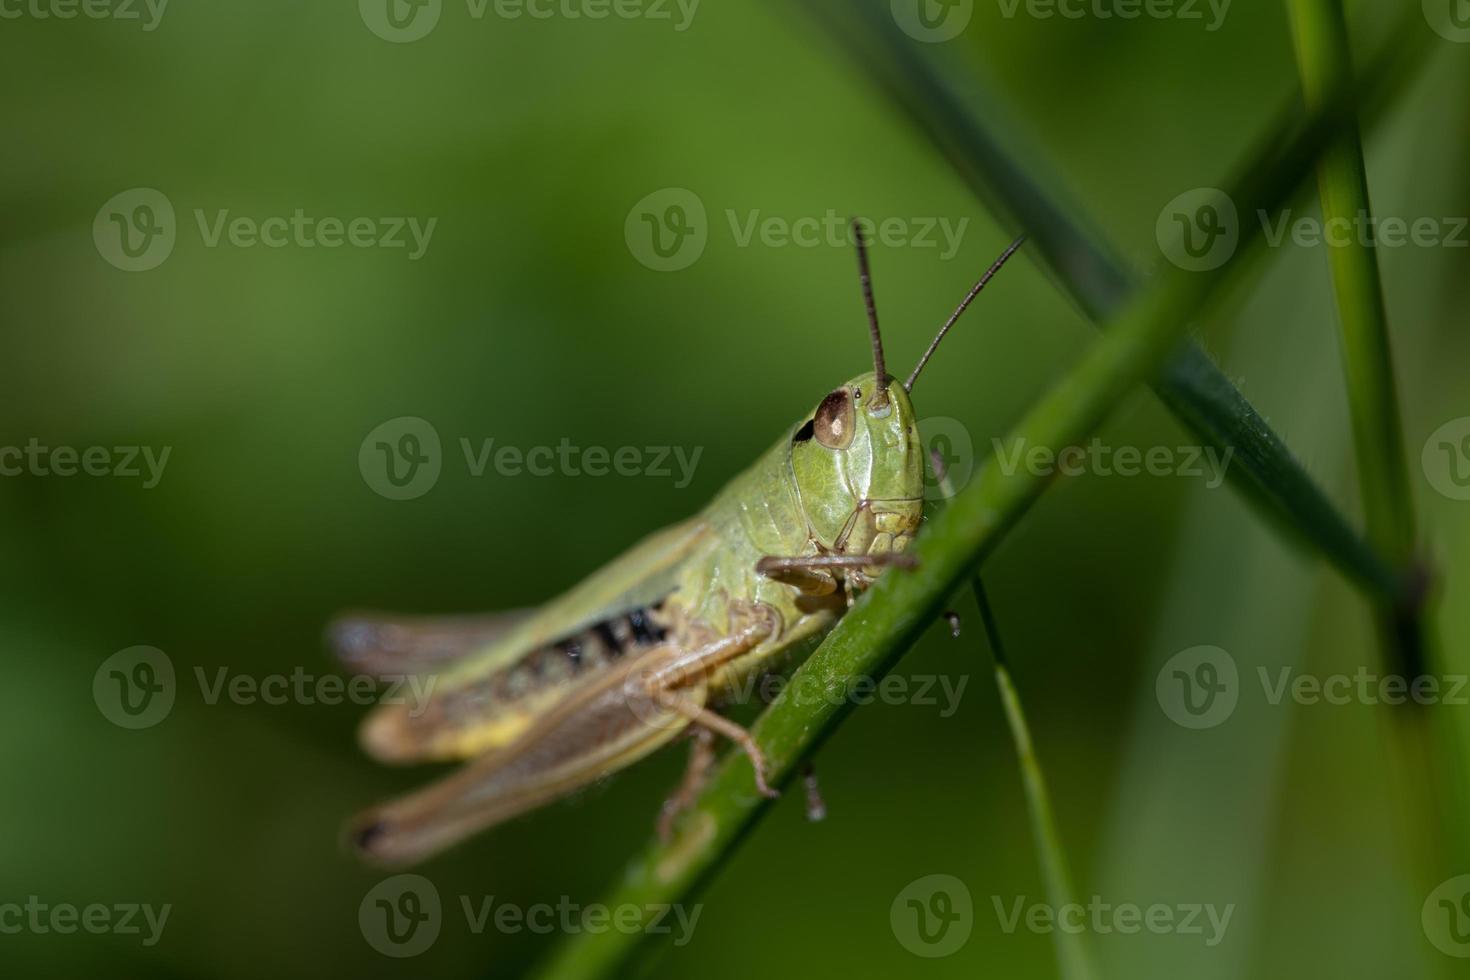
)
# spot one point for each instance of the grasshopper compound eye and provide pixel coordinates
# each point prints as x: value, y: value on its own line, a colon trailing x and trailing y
x: 833, y: 423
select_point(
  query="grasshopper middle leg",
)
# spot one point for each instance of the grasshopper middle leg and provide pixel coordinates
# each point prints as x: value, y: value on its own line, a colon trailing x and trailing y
x: 720, y: 725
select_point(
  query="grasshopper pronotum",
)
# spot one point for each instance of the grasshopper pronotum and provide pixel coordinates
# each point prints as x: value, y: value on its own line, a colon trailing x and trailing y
x: 548, y: 700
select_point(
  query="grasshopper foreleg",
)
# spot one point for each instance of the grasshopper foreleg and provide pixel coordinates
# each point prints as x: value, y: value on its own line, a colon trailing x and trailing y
x: 816, y: 575
x: 815, y: 566
x: 806, y: 580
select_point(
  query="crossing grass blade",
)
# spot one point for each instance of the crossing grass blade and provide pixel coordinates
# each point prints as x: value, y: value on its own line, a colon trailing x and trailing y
x: 968, y: 126
x: 871, y: 638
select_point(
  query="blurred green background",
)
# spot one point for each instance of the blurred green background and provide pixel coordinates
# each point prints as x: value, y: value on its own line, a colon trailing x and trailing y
x: 529, y: 319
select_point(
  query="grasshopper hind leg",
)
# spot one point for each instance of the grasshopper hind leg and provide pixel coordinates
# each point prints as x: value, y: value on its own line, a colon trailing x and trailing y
x: 604, y: 727
x: 705, y: 725
x: 578, y: 743
x: 696, y: 775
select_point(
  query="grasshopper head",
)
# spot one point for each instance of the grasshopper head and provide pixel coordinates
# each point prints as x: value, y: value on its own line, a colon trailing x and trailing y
x: 859, y: 468
x: 858, y: 459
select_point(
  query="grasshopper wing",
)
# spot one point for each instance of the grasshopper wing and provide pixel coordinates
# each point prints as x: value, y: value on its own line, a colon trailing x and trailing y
x: 600, y: 729
x: 383, y: 645
x: 499, y: 684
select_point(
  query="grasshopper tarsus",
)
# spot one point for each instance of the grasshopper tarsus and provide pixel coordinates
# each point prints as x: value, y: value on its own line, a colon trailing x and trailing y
x: 953, y: 618
x: 816, y: 807
x: 363, y: 837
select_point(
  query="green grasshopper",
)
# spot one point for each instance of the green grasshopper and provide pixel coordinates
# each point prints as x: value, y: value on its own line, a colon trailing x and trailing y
x: 549, y: 700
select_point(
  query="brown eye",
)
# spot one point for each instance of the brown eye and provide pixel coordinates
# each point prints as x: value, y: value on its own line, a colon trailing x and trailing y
x: 834, y: 420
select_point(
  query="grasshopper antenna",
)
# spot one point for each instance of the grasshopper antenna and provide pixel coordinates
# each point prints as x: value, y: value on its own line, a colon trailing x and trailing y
x: 975, y: 291
x: 879, y: 368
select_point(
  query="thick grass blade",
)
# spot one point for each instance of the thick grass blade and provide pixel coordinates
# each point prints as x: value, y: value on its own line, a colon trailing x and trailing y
x: 1014, y: 180
x: 1324, y: 60
x: 1321, y: 39
x: 870, y: 639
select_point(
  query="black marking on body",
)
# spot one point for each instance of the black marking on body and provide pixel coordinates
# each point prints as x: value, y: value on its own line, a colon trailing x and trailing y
x: 571, y: 648
x: 645, y: 630
x: 805, y: 432
x: 544, y: 669
x: 607, y: 638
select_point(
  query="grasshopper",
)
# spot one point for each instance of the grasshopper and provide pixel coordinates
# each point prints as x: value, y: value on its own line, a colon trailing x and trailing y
x: 549, y: 700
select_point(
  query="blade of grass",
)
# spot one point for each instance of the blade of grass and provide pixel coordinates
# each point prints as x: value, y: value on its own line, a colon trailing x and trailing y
x: 1321, y: 40
x: 1320, y: 34
x: 1074, y: 956
x: 869, y: 640
x: 1015, y: 180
